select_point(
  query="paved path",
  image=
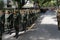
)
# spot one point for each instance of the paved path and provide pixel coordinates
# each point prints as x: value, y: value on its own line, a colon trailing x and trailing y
x: 45, y: 28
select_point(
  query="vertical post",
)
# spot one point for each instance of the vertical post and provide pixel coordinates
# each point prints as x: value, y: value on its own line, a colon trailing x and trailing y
x: 57, y: 4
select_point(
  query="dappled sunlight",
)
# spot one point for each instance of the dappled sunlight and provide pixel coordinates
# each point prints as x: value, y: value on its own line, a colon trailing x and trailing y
x: 49, y: 20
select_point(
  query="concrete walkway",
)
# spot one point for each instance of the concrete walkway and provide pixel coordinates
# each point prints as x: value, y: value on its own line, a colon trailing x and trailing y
x: 45, y: 28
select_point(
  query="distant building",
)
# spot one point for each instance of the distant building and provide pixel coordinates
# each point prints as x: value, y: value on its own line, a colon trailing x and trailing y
x: 9, y: 4
x: 23, y: 2
x: 29, y: 4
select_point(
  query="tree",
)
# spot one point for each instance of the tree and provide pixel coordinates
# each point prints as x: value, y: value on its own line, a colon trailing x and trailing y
x: 45, y: 2
x: 1, y: 4
x: 19, y: 3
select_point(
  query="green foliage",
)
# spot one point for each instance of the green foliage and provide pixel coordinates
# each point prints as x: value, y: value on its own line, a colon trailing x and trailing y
x: 46, y: 2
x: 1, y: 4
x: 41, y: 2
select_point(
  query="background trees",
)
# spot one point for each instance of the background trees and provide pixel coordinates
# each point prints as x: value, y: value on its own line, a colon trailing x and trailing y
x: 42, y: 3
x: 1, y: 4
x: 46, y: 2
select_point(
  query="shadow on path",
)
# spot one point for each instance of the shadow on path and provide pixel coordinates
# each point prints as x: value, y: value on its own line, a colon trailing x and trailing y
x: 43, y: 32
